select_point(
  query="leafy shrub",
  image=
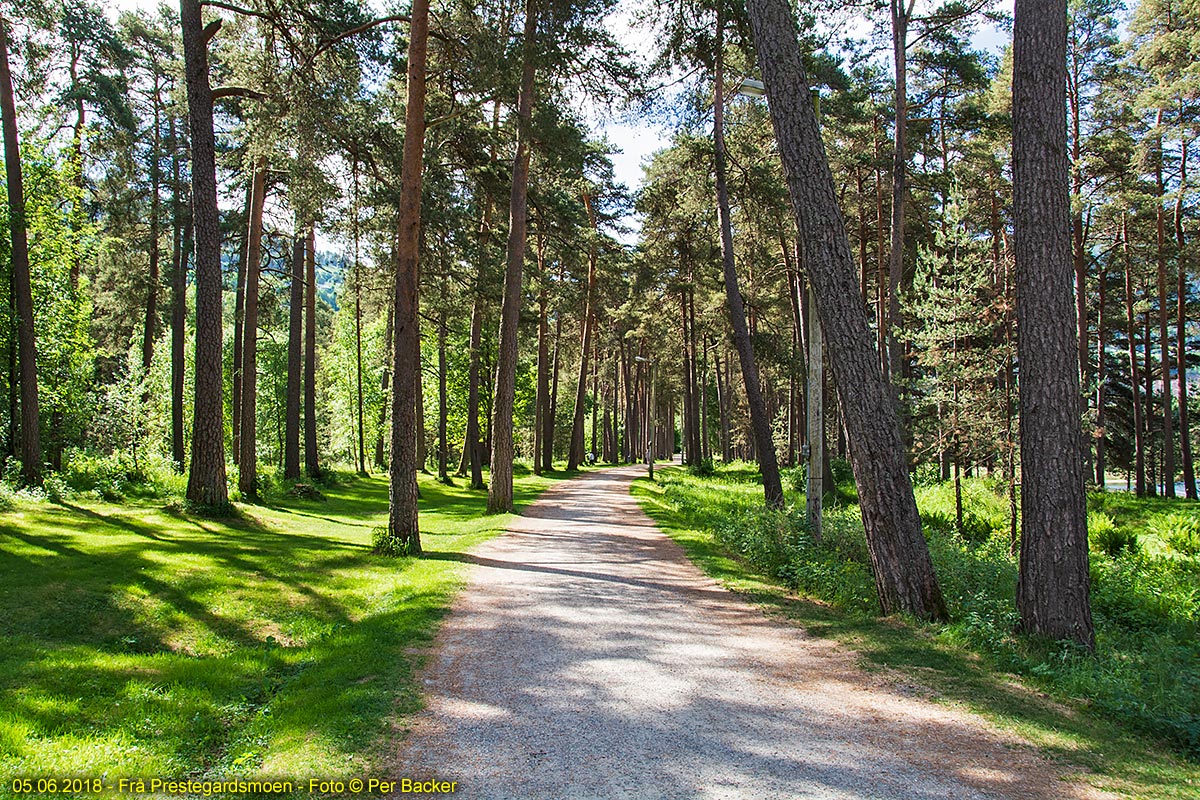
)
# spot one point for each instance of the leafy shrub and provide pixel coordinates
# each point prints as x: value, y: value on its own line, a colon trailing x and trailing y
x: 796, y: 478
x: 383, y: 543
x: 56, y: 488
x: 985, y: 510
x: 1180, y: 531
x: 1105, y: 537
x: 704, y: 469
x: 8, y: 497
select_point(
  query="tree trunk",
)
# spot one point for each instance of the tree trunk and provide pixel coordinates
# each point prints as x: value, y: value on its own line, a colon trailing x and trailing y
x: 31, y: 443
x: 381, y: 454
x: 403, y: 529
x: 575, y: 454
x: 206, y: 478
x: 150, y: 325
x: 500, y: 490
x: 542, y: 391
x: 311, y: 463
x: 549, y: 423
x: 1148, y: 394
x: 472, y: 453
x: 901, y: 15
x: 1163, y: 315
x: 473, y: 445
x: 179, y: 261
x: 1185, y: 433
x: 900, y: 558
x: 358, y: 344
x: 1139, y: 423
x: 291, y: 435
x: 1053, y: 582
x: 239, y: 313
x: 761, y: 424
x: 248, y: 407
x: 1101, y: 378
x: 443, y: 443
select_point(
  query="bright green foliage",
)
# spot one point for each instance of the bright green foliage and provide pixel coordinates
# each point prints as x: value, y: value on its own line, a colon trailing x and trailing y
x: 62, y: 317
x: 138, y: 642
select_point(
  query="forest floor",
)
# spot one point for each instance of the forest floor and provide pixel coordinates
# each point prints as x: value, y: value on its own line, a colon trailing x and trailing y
x: 590, y: 658
x: 137, y: 641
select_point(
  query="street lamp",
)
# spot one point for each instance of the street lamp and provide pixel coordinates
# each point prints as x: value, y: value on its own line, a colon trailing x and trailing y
x: 814, y: 450
x: 650, y: 418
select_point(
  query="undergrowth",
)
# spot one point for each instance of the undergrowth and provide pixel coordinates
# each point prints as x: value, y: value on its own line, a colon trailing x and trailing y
x: 1145, y: 573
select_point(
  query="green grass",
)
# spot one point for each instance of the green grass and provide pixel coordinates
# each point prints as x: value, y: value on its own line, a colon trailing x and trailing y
x: 831, y: 595
x: 136, y: 641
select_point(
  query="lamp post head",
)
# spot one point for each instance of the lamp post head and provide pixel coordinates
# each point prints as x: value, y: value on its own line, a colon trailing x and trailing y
x: 752, y: 88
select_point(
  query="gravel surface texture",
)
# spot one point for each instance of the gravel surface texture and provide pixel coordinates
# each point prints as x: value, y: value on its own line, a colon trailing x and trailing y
x: 588, y: 658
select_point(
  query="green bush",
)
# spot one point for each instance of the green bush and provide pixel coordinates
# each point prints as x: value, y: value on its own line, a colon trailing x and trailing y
x: 1105, y: 537
x: 1180, y: 531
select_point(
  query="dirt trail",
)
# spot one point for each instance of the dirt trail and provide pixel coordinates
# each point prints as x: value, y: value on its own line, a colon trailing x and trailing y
x: 588, y: 658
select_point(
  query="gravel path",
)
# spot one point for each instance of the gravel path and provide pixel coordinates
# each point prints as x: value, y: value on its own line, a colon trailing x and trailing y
x: 588, y: 658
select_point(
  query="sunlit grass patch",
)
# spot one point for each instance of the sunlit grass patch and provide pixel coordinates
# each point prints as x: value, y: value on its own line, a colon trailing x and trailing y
x: 138, y: 641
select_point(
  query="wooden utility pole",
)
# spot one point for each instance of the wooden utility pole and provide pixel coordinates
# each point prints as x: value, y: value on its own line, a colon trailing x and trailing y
x: 815, y: 488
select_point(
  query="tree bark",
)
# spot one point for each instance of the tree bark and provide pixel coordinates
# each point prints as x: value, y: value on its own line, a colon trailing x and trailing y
x: 291, y: 435
x: 31, y: 443
x: 500, y: 489
x: 904, y: 574
x: 206, y: 477
x: 1053, y: 582
x: 1185, y: 432
x: 542, y: 390
x: 381, y: 455
x: 150, y: 324
x: 1139, y: 423
x: 575, y: 455
x: 312, y: 464
x: 901, y: 15
x: 759, y: 421
x: 403, y: 528
x: 1163, y: 316
x: 443, y: 443
x: 181, y: 241
x: 239, y: 313
x: 248, y: 407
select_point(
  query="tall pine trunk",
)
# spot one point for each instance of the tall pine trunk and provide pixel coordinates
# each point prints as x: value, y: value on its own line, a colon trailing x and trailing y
x: 1053, y: 582
x: 206, y: 477
x: 403, y: 529
x: 150, y: 323
x: 500, y: 489
x: 179, y: 265
x: 901, y: 14
x: 31, y: 443
x: 1185, y: 432
x: 1139, y: 422
x: 1164, y: 341
x: 312, y: 464
x: 575, y: 455
x: 759, y: 421
x: 900, y: 559
x: 248, y: 407
x: 291, y: 434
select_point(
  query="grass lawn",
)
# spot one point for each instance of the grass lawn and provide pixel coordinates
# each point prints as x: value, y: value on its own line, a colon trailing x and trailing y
x: 138, y: 642
x: 690, y: 509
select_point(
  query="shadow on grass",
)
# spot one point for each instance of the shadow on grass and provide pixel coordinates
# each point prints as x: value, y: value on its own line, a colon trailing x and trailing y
x: 1067, y: 731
